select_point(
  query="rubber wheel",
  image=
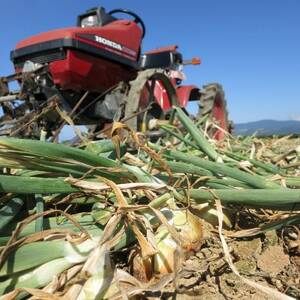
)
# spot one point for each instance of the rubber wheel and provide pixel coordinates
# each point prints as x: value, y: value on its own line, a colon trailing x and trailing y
x: 141, y: 97
x: 212, y: 102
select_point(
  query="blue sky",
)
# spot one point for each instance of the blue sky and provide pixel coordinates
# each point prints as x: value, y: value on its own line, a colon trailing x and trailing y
x: 251, y: 47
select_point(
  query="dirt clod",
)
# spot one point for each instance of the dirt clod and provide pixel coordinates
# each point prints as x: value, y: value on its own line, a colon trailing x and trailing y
x: 247, y: 249
x: 273, y: 260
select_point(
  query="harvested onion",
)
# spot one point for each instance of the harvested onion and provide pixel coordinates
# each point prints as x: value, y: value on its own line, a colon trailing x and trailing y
x: 190, y: 231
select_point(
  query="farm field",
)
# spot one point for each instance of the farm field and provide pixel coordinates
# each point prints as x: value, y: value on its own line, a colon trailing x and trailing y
x: 178, y: 217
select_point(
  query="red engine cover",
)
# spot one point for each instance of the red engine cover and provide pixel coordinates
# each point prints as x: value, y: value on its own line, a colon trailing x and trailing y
x: 96, y: 58
x: 81, y: 71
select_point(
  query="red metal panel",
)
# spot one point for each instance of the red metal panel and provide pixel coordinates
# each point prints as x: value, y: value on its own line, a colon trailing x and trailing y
x: 80, y: 71
x: 219, y: 114
x: 171, y: 48
x: 126, y: 33
x: 184, y: 93
x: 161, y: 96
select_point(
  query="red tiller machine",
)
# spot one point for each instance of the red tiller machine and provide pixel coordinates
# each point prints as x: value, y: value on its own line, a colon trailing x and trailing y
x: 97, y: 72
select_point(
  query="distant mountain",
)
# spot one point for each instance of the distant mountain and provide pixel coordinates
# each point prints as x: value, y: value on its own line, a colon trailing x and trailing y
x: 267, y: 127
